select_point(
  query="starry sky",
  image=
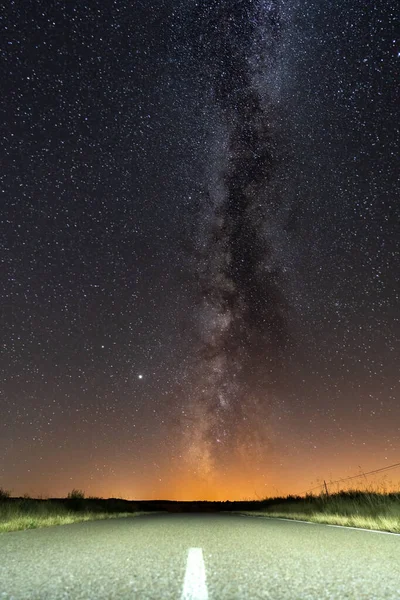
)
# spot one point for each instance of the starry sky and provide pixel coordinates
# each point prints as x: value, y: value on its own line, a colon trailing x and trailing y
x: 199, y: 246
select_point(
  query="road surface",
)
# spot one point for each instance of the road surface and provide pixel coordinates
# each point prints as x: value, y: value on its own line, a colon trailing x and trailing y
x: 198, y: 557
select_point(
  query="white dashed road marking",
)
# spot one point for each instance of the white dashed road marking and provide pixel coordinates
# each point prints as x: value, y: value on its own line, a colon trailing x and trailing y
x: 194, y: 586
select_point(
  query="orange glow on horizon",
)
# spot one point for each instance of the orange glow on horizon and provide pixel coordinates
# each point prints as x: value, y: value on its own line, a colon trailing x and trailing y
x: 249, y: 484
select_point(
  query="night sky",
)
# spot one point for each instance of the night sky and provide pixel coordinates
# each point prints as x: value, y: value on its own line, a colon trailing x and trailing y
x: 199, y: 246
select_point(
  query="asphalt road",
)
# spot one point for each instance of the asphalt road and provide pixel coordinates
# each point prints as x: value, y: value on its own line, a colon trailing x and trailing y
x: 198, y: 557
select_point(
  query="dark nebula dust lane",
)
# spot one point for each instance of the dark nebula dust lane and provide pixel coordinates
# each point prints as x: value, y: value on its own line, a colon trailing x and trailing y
x: 243, y: 307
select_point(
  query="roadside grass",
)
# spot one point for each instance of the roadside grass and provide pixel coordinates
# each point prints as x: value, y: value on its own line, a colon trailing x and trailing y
x: 352, y: 508
x: 18, y: 514
x: 370, y: 509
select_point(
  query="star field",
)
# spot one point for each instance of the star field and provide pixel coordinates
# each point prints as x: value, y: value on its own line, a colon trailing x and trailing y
x: 199, y: 246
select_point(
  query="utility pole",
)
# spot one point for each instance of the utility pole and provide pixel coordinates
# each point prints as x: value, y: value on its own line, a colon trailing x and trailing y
x: 326, y: 488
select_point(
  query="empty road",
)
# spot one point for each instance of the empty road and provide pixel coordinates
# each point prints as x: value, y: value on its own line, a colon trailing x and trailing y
x: 198, y: 557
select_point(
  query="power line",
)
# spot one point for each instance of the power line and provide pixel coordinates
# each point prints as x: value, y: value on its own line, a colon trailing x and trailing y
x: 354, y: 477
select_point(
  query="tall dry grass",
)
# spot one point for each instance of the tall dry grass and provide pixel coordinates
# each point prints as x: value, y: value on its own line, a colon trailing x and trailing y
x: 27, y: 513
x: 354, y: 508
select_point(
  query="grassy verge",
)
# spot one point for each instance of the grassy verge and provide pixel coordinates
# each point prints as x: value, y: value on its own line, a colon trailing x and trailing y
x: 17, y: 514
x: 18, y: 522
x: 354, y: 508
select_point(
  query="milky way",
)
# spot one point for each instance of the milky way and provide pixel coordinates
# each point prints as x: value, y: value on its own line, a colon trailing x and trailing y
x: 243, y: 308
x: 199, y: 246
